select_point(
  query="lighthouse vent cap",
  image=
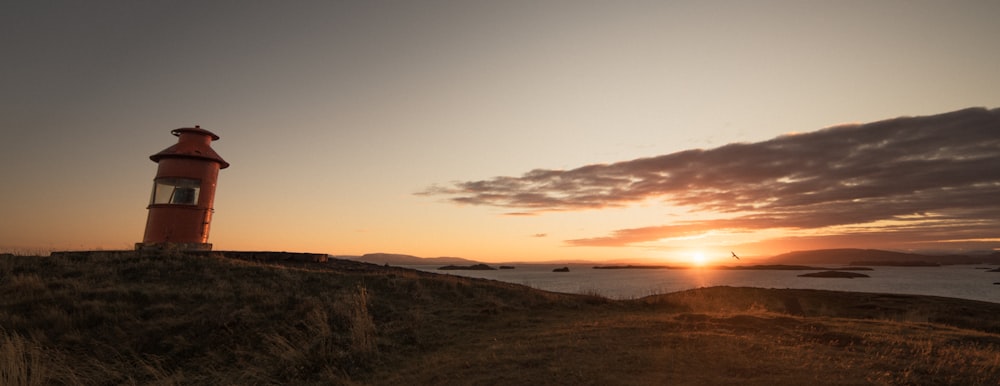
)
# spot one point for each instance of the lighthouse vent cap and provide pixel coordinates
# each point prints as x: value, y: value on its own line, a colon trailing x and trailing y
x: 194, y: 130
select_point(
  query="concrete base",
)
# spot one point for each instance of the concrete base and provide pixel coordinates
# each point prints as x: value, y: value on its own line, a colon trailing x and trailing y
x: 179, y: 247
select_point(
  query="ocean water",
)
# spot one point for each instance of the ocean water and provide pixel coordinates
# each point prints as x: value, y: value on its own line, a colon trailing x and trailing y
x: 957, y: 281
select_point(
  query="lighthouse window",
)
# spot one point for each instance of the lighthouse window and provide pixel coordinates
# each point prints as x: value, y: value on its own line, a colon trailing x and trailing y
x: 181, y: 191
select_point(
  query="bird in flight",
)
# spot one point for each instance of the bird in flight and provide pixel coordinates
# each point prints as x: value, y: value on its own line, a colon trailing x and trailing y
x: 734, y: 255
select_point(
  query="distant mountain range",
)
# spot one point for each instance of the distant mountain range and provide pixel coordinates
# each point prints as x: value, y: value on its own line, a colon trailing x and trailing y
x: 398, y: 259
x: 879, y: 257
x: 846, y: 256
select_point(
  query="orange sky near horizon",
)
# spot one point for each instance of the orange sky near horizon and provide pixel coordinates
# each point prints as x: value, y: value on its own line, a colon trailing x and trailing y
x: 511, y: 131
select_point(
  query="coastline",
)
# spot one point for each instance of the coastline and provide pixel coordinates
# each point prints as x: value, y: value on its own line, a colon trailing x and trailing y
x: 971, y: 282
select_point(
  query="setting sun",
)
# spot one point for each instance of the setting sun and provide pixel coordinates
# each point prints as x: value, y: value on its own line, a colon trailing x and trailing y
x: 698, y: 259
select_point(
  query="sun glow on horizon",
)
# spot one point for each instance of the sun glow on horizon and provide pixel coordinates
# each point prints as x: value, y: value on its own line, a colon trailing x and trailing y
x: 698, y: 259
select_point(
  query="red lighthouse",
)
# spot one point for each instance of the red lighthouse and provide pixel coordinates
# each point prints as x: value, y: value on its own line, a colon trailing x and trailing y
x: 180, y: 209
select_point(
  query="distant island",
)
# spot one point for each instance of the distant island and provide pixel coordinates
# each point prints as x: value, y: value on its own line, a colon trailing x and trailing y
x: 835, y: 274
x: 399, y: 259
x: 563, y: 269
x: 474, y: 267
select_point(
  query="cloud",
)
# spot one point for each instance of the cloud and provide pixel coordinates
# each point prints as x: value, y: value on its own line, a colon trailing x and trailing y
x: 940, y: 173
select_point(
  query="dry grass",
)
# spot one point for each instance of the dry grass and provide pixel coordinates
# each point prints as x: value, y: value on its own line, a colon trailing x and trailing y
x: 685, y: 348
x: 21, y: 361
x: 125, y: 319
x: 362, y: 326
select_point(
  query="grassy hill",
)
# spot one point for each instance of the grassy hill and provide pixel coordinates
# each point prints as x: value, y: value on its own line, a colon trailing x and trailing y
x: 125, y: 319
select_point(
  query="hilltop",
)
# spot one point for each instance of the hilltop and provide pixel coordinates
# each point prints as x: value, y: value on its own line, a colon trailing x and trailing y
x: 178, y: 319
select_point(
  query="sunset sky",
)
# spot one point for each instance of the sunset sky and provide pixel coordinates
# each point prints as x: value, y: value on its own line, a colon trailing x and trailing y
x: 511, y: 130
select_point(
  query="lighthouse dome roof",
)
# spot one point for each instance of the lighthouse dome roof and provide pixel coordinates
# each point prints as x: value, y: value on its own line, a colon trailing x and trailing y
x: 193, y: 142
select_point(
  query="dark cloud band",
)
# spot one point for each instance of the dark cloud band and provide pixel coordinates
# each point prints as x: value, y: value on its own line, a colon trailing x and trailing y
x: 919, y: 170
